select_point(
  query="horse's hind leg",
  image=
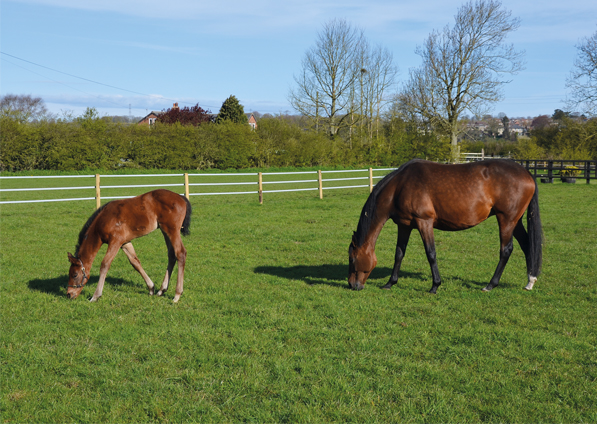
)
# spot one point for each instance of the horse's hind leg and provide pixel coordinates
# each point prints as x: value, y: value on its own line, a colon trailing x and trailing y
x: 134, y: 260
x: 176, y: 253
x: 521, y: 235
x: 171, y: 262
x: 426, y: 230
x: 403, y: 236
x: 506, y: 247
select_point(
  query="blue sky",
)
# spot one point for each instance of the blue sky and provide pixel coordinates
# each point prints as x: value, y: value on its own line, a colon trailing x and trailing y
x: 148, y: 54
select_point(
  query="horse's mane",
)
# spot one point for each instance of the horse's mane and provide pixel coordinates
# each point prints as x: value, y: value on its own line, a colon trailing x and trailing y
x: 368, y: 212
x: 83, y: 233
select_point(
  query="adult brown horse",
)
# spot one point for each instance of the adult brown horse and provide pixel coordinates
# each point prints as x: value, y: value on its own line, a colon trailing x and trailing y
x: 120, y: 221
x: 427, y: 195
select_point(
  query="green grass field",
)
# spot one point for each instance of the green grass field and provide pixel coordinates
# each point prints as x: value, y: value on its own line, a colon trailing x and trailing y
x: 267, y: 330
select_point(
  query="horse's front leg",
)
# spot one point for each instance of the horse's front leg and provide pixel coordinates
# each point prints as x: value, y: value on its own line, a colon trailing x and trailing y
x: 134, y: 260
x: 106, y: 262
x: 403, y: 237
x: 426, y: 231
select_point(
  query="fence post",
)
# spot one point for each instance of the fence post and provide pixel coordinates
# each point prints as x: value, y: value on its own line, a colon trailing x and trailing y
x: 370, y: 180
x: 97, y: 191
x: 320, y: 181
x: 187, y: 193
x: 482, y: 154
x: 260, y: 188
x: 588, y: 171
x: 550, y: 171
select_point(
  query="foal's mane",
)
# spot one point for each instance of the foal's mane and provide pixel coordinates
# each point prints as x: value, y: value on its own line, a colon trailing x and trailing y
x: 83, y: 233
x: 368, y: 212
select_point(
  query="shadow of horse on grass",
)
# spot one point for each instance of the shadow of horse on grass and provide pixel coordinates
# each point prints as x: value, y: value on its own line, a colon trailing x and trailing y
x: 335, y: 275
x: 57, y: 286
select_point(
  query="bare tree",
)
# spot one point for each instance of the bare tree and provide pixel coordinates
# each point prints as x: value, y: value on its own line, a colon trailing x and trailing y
x: 378, y: 77
x: 582, y: 80
x: 23, y: 107
x: 329, y: 70
x: 463, y: 67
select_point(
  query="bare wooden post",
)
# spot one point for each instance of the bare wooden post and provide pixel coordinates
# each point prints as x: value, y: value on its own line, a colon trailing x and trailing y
x: 186, y: 186
x: 482, y: 154
x: 320, y: 184
x: 370, y: 180
x: 97, y: 191
x: 260, y: 188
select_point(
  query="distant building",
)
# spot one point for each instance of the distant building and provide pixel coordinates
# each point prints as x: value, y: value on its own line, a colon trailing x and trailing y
x: 149, y: 119
x: 252, y: 121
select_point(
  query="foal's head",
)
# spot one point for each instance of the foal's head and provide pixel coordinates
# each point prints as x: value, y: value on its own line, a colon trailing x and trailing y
x: 361, y: 261
x: 77, y: 277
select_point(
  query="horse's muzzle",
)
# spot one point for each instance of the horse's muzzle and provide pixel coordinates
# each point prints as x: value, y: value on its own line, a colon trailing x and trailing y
x: 356, y: 285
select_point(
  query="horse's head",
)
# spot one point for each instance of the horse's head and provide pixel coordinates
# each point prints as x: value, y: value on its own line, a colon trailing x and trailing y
x: 77, y: 277
x: 361, y: 261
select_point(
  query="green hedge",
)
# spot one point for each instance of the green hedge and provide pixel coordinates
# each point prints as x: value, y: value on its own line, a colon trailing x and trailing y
x: 94, y: 143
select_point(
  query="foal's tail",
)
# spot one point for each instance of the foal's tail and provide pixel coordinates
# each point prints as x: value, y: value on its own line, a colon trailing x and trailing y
x: 185, y: 230
x: 535, y: 235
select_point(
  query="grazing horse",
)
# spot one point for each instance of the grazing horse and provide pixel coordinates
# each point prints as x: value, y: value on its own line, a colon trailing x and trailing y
x: 120, y: 221
x: 427, y: 195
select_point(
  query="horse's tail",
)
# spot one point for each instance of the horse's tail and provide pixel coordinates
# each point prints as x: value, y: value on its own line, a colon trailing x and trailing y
x: 185, y: 230
x: 535, y: 235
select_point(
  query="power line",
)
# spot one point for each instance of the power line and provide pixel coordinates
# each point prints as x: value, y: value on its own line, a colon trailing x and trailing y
x: 74, y: 76
x: 86, y: 79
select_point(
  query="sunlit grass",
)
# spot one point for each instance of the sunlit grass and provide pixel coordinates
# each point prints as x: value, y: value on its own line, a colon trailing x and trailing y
x: 266, y: 329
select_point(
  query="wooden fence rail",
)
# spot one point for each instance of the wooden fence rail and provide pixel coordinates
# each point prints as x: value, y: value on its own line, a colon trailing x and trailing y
x: 314, y: 180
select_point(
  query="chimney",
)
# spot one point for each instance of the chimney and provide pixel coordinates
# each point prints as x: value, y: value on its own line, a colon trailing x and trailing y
x: 175, y: 106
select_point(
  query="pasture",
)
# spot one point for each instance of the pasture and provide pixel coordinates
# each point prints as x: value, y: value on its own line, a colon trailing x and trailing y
x: 267, y: 330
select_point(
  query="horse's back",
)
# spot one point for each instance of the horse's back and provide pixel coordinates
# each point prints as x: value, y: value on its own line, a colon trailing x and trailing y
x: 459, y: 196
x: 137, y: 216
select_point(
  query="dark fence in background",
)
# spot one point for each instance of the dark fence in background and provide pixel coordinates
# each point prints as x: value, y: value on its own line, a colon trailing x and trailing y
x: 567, y: 170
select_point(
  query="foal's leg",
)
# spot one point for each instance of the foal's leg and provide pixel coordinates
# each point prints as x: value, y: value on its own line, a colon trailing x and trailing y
x: 179, y: 255
x: 171, y: 262
x: 426, y: 230
x: 506, y: 247
x: 105, y: 266
x: 134, y: 260
x: 403, y: 236
x: 521, y: 235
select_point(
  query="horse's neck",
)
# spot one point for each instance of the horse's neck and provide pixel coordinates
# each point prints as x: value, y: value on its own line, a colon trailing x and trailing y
x: 374, y: 230
x: 89, y: 248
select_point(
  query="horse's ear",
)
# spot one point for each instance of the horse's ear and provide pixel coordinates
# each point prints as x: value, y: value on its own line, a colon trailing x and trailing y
x: 72, y: 259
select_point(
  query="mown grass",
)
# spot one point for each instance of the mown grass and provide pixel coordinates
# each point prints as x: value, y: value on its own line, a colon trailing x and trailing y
x: 267, y: 330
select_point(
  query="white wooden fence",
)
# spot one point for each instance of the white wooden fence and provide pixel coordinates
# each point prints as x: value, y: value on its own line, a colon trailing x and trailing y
x: 200, y: 184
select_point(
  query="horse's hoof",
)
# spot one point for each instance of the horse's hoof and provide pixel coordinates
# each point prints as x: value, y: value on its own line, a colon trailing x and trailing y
x: 160, y: 293
x: 487, y: 288
x: 176, y: 299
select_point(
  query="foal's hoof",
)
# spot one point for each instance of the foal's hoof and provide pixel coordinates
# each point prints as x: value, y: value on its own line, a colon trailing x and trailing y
x: 160, y: 293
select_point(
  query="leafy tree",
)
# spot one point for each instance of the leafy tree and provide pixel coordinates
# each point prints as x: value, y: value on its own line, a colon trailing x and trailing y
x: 194, y: 115
x: 232, y: 111
x: 462, y: 67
